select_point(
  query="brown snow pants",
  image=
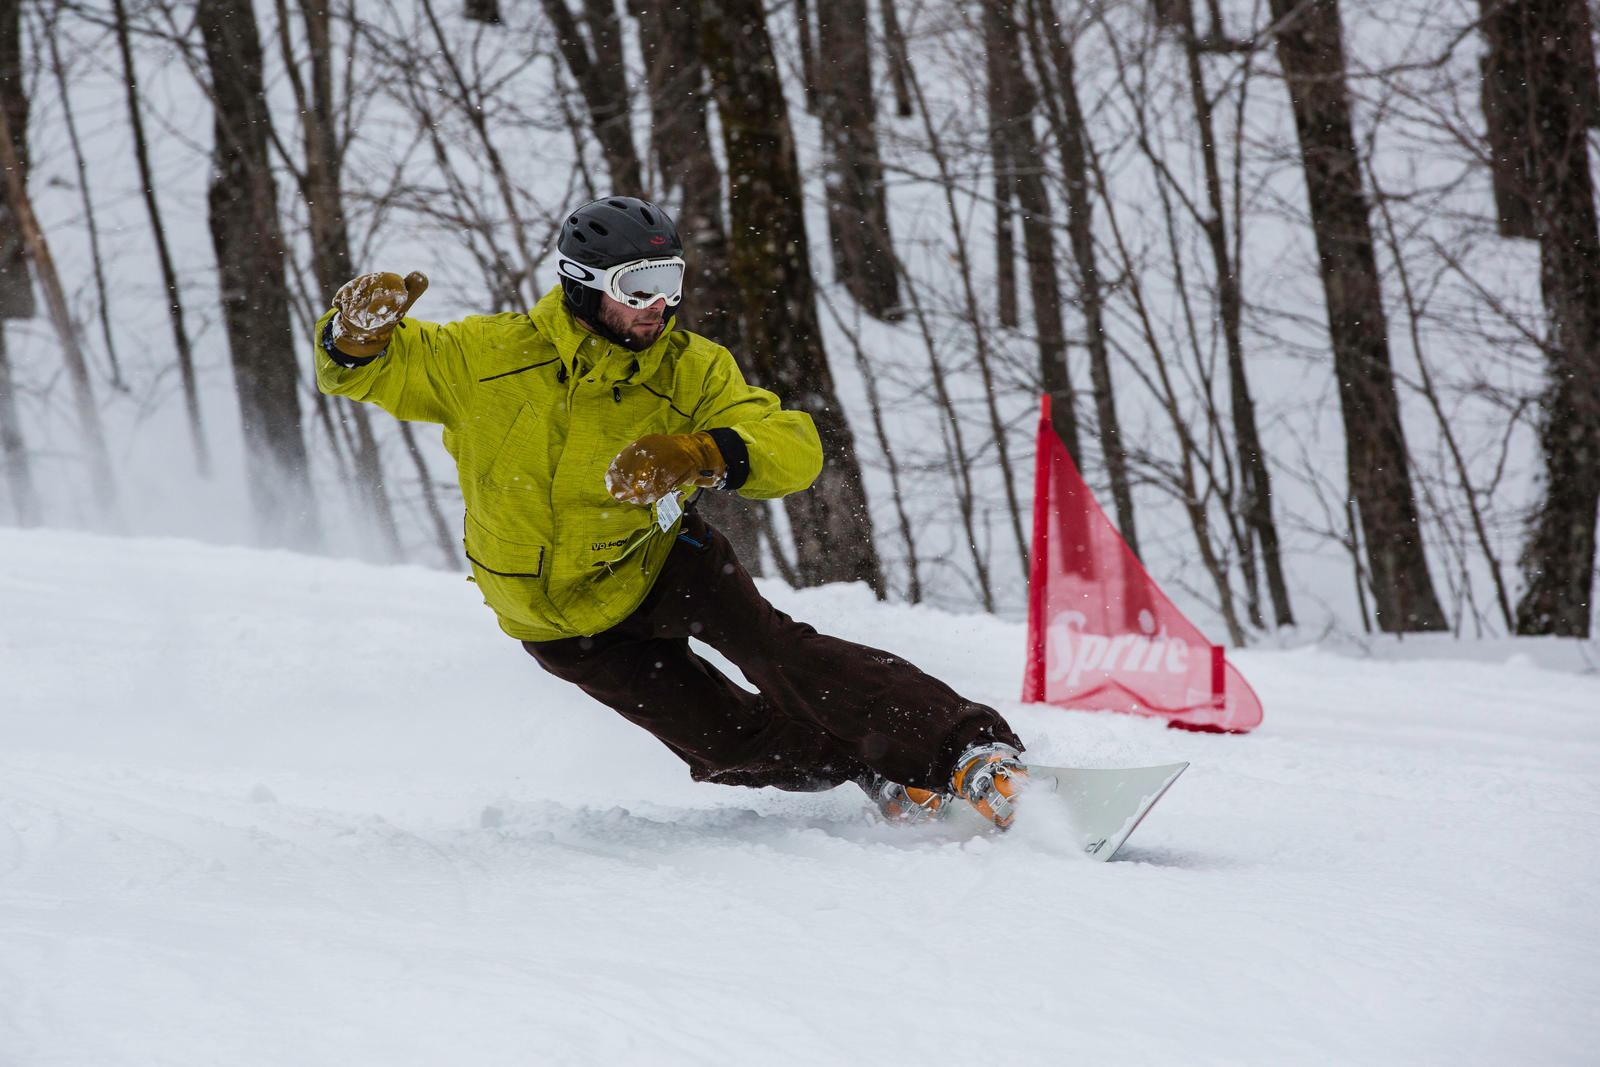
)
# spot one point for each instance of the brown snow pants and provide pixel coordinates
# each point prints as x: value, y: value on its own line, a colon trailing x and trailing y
x: 827, y: 712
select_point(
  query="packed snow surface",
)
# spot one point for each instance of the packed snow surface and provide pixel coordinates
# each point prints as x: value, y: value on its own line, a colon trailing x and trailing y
x: 260, y: 808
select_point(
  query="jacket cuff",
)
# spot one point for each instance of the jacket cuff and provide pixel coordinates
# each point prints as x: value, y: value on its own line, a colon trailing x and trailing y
x: 344, y: 359
x: 735, y: 454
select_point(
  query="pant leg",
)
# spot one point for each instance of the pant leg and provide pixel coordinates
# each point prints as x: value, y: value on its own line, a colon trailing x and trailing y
x: 723, y: 732
x: 886, y: 713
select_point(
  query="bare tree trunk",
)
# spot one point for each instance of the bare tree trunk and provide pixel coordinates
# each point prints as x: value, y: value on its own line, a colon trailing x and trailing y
x: 1154, y: 368
x: 869, y: 378
x: 320, y: 184
x: 1002, y: 159
x: 807, y: 39
x: 96, y: 260
x: 470, y: 99
x: 1311, y: 51
x: 769, y: 255
x: 94, y: 441
x: 450, y: 547
x: 858, y: 210
x: 1170, y: 13
x: 894, y: 46
x: 16, y: 284
x: 1066, y: 118
x: 601, y: 81
x: 330, y: 242
x: 1508, y: 100
x: 1541, y: 49
x: 13, y: 448
x: 955, y: 448
x: 255, y: 297
x: 669, y: 37
x: 1469, y: 492
x: 957, y: 454
x: 1255, y: 485
x: 1230, y: 301
x: 1038, y: 239
x: 169, y: 276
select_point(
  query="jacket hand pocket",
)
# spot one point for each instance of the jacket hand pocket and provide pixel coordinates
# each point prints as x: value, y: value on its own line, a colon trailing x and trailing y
x: 514, y: 578
x: 496, y: 555
x: 530, y: 563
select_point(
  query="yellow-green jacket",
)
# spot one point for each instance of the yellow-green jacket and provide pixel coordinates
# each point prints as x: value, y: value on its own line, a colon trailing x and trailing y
x: 534, y: 408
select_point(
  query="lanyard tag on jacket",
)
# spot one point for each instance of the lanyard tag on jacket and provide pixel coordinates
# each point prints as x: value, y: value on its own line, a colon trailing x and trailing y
x: 668, y: 509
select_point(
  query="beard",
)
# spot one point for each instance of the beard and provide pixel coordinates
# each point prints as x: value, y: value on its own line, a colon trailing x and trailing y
x: 636, y: 335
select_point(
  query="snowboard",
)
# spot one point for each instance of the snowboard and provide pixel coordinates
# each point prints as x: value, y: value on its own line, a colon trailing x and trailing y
x: 1104, y: 805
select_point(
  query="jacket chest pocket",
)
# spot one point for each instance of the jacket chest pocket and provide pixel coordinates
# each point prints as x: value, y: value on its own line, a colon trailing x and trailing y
x: 523, y: 459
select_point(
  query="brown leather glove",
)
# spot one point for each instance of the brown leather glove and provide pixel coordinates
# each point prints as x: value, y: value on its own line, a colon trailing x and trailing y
x: 370, y: 307
x: 656, y: 464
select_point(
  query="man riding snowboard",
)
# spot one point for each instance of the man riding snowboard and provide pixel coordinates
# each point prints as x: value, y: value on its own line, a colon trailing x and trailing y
x: 576, y: 428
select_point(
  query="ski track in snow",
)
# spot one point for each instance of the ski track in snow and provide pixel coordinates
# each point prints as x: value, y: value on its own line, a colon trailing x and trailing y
x: 259, y: 808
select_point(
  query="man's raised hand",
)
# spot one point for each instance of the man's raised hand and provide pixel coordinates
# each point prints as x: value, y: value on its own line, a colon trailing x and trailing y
x: 370, y: 307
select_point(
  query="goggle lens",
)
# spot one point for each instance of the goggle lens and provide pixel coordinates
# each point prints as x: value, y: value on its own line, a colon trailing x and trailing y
x: 646, y: 283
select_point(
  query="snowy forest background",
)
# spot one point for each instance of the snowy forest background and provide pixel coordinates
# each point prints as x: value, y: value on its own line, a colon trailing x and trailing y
x: 1318, y: 282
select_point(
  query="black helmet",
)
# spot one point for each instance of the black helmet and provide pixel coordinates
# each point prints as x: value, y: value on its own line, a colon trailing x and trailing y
x: 607, y: 232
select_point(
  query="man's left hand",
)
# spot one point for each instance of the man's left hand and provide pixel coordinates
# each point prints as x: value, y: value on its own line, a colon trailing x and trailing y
x: 656, y: 464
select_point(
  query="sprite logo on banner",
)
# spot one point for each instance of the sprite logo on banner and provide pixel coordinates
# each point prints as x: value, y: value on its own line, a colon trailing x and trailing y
x: 1071, y: 651
x: 1101, y: 633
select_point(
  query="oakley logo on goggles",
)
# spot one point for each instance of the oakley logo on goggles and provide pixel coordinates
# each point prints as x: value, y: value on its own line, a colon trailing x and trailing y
x: 638, y: 283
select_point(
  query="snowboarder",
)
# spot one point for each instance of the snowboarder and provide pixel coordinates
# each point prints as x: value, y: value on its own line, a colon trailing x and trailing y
x: 576, y: 428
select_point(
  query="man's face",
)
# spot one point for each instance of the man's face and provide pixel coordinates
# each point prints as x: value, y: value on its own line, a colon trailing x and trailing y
x: 639, y: 327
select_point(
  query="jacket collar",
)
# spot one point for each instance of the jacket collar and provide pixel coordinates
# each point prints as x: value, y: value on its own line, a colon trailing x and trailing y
x: 576, y: 345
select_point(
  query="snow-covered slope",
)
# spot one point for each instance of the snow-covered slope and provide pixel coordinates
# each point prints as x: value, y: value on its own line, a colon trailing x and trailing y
x: 258, y: 808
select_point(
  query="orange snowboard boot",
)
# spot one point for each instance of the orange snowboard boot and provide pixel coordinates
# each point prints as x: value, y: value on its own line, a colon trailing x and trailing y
x: 905, y: 803
x: 989, y: 777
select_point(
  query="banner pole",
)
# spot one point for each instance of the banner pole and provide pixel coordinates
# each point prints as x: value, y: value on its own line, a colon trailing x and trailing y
x: 1033, y: 682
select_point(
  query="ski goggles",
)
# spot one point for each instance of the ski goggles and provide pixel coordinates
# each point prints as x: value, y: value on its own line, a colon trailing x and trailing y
x: 638, y: 283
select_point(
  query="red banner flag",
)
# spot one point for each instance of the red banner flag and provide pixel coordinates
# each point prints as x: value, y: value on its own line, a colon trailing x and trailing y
x: 1101, y: 633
